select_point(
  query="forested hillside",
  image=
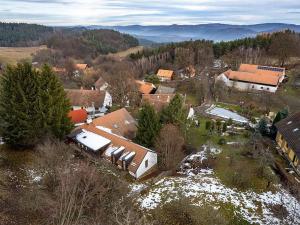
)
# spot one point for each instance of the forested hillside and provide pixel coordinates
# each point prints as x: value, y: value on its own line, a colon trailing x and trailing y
x: 91, y: 43
x: 22, y: 34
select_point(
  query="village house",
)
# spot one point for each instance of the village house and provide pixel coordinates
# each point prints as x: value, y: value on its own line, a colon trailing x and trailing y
x: 288, y: 138
x: 123, y: 153
x: 78, y: 117
x: 165, y: 75
x: 81, y: 66
x: 158, y: 101
x: 119, y: 122
x: 145, y: 87
x: 100, y: 84
x: 96, y: 103
x: 254, y: 77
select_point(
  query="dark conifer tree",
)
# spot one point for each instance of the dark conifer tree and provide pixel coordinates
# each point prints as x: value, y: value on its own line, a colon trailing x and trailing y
x: 174, y: 113
x: 54, y: 104
x: 19, y: 106
x: 148, y: 126
x: 32, y: 106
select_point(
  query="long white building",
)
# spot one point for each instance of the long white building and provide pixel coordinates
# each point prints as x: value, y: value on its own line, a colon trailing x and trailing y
x: 254, y: 77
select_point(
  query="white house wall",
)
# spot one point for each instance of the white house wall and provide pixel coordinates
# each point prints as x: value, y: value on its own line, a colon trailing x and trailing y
x: 152, y: 161
x: 246, y: 86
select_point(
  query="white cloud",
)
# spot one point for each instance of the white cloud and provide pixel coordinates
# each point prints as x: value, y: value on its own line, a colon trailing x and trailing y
x: 116, y: 12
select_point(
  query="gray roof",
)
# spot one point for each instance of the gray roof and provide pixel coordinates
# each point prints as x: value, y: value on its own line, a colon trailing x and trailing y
x: 289, y: 128
x: 165, y: 90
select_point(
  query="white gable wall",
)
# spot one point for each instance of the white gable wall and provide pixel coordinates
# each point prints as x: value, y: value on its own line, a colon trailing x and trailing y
x: 152, y: 161
x: 242, y: 86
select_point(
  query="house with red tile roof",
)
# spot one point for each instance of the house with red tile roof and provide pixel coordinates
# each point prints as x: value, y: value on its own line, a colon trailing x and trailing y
x: 78, y: 117
x: 254, y: 77
x: 93, y: 101
x: 145, y: 87
x: 165, y: 75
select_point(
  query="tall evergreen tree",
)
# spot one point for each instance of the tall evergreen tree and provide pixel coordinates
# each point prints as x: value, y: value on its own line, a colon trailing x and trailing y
x: 19, y: 113
x: 148, y: 126
x: 55, y: 106
x: 174, y: 113
x: 32, y: 105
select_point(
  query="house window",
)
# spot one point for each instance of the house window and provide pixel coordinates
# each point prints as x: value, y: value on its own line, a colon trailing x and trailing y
x: 146, y: 163
x: 268, y: 89
x: 252, y: 86
x: 261, y: 88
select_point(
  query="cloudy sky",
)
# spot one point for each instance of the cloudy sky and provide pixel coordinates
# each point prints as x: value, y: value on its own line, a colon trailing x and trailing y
x: 149, y: 12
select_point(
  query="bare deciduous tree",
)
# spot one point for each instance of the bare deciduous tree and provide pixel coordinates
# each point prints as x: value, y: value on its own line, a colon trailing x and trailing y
x: 169, y: 146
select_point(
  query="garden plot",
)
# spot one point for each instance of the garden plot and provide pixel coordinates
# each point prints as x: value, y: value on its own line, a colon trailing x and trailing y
x: 202, y: 187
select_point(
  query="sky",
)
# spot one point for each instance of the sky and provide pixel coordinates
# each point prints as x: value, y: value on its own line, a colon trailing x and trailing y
x: 149, y: 12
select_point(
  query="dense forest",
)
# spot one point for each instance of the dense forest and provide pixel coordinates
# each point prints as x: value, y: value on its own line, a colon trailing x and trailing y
x: 260, y: 49
x: 22, y: 34
x: 90, y: 42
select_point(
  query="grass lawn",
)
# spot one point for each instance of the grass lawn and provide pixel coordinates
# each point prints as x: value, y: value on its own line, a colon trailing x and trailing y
x: 12, y: 55
x: 231, y: 164
x: 232, y: 167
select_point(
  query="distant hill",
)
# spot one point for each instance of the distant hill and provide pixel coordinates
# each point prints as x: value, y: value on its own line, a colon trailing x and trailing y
x: 22, y: 34
x: 77, y: 41
x: 91, y: 43
x: 215, y: 32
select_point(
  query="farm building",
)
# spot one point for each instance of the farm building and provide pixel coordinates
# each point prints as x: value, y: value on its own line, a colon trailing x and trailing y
x: 254, y: 77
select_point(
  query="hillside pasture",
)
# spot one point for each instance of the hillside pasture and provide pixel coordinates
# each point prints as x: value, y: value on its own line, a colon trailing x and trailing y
x: 12, y: 55
x: 124, y: 54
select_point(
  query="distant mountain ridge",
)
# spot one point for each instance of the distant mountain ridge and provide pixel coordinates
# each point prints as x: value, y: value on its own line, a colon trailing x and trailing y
x: 215, y: 31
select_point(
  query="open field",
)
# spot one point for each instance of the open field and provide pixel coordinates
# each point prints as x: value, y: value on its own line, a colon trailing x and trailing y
x: 127, y: 52
x: 13, y: 55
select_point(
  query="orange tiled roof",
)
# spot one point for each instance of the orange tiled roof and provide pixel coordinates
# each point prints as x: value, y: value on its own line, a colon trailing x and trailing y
x: 255, y: 69
x: 81, y: 66
x: 158, y: 101
x: 118, y: 141
x: 252, y: 74
x: 145, y: 87
x: 165, y: 73
x: 120, y: 122
x: 78, y: 116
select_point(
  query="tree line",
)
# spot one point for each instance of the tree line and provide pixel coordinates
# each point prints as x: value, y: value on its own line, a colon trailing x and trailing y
x: 279, y: 45
x: 23, y: 35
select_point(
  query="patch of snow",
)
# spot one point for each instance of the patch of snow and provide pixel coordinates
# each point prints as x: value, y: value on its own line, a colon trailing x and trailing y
x: 202, y: 187
x: 35, y: 176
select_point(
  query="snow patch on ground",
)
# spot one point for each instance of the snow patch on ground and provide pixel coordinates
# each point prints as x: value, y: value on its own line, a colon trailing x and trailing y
x: 204, y: 188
